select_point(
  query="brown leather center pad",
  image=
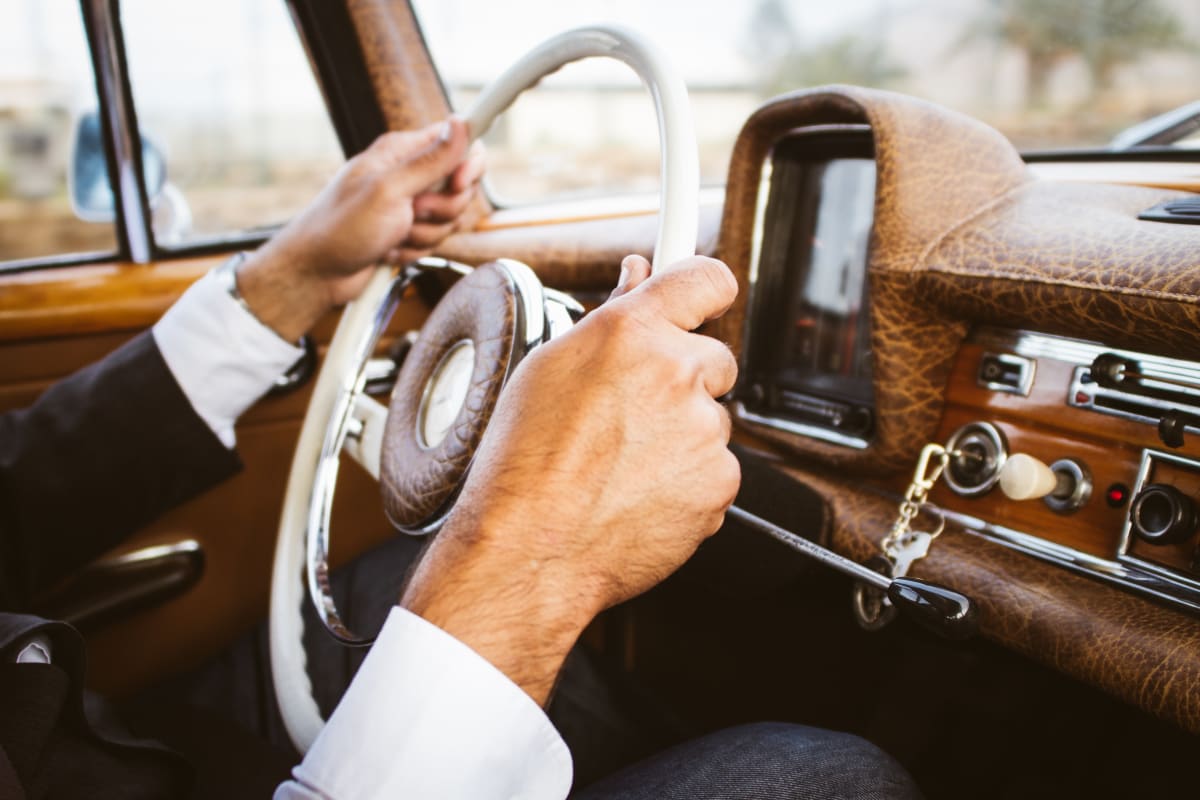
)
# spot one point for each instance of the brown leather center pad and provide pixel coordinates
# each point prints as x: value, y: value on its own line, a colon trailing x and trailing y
x: 419, y: 482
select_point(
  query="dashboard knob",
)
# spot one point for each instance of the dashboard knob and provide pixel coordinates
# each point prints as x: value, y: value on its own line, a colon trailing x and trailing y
x: 1161, y: 514
x: 1024, y: 477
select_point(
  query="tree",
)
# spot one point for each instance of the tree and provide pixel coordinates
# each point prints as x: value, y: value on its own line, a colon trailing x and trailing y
x: 771, y: 35
x: 1104, y: 33
x: 771, y: 42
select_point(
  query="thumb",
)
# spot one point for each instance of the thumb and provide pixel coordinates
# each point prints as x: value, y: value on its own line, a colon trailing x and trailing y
x: 634, y: 270
x: 421, y: 159
x: 689, y: 292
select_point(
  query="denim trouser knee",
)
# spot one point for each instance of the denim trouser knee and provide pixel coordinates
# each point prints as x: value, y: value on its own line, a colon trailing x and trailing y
x: 764, y: 761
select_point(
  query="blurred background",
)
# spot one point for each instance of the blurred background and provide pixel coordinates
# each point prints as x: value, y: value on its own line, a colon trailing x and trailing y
x: 224, y: 92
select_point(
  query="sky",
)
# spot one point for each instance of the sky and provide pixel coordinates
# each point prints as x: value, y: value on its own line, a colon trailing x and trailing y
x: 705, y: 39
x: 183, y: 54
x: 472, y: 39
x: 189, y: 56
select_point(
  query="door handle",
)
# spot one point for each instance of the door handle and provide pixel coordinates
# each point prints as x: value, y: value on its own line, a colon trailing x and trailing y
x: 126, y: 584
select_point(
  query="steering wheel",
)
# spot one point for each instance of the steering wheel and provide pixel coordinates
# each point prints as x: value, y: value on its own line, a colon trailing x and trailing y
x: 420, y: 446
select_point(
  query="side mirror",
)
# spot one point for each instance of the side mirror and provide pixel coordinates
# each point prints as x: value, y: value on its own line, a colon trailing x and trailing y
x: 92, y: 197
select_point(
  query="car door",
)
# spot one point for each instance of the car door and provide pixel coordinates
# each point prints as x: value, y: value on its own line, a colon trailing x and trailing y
x: 98, y: 236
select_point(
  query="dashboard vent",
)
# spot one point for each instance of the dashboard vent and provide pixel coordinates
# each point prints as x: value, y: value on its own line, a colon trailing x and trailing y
x: 1184, y: 211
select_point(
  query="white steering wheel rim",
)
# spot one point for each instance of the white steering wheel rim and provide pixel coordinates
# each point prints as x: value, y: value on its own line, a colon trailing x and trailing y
x: 679, y: 162
x: 678, y: 221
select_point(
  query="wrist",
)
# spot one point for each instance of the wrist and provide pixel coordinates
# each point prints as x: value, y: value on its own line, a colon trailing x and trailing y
x: 281, y: 291
x: 520, y: 613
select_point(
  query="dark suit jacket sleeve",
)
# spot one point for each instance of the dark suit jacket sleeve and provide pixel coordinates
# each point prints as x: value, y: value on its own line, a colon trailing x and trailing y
x: 100, y: 454
x: 58, y: 741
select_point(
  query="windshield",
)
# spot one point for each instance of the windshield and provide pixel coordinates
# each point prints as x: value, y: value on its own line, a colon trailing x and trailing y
x: 1050, y: 74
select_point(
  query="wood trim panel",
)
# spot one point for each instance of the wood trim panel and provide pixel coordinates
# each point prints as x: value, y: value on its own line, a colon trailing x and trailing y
x: 102, y: 297
x: 1044, y: 426
x: 236, y: 523
x: 574, y: 252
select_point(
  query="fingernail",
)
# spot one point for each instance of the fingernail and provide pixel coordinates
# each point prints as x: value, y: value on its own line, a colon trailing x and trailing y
x: 445, y: 132
x: 624, y: 276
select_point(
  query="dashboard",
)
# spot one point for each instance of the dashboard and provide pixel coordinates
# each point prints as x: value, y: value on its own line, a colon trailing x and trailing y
x: 909, y: 280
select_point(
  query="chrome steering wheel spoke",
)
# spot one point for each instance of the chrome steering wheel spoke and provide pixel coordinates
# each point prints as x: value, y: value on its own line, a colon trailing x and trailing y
x: 341, y: 417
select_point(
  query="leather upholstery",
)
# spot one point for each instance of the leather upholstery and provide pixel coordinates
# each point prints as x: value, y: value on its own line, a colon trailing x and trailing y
x: 419, y: 481
x: 1074, y: 259
x: 1138, y: 651
x: 406, y: 83
x: 936, y: 170
x: 963, y: 235
x: 575, y: 255
x: 402, y: 71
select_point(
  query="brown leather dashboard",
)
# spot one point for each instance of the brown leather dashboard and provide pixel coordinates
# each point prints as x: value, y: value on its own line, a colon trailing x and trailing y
x: 967, y: 243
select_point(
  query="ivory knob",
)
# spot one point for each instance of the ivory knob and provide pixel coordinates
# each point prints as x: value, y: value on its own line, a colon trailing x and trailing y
x: 1024, y: 477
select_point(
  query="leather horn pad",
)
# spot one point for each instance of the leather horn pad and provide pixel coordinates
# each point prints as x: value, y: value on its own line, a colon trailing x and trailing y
x: 419, y: 481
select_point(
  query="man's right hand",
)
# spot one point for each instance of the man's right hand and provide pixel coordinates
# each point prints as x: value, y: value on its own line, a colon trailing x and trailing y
x: 605, y: 465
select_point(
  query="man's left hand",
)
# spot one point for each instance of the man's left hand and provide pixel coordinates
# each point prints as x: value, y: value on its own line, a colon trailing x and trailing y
x: 392, y: 203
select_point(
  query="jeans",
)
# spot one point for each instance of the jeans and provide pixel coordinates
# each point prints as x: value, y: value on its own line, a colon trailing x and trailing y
x: 606, y: 720
x: 764, y: 761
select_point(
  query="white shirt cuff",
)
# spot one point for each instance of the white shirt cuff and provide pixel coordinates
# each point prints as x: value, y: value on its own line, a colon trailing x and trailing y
x: 427, y: 716
x: 222, y: 357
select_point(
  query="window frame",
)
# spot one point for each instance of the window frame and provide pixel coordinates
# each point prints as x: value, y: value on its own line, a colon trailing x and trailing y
x: 328, y: 37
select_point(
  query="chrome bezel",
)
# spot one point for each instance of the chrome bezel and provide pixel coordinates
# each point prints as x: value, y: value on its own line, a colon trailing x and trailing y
x: 1124, y: 554
x: 439, y: 373
x: 541, y: 315
x: 1092, y: 391
x: 993, y: 436
x: 739, y: 412
x: 1082, y: 477
x: 1027, y: 368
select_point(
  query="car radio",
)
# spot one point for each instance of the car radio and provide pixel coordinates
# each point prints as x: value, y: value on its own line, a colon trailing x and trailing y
x: 807, y: 360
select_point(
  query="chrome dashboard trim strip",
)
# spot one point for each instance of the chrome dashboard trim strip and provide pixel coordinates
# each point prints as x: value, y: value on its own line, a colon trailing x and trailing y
x: 739, y: 412
x: 1125, y: 575
x: 152, y: 553
x: 760, y: 225
x: 1083, y: 353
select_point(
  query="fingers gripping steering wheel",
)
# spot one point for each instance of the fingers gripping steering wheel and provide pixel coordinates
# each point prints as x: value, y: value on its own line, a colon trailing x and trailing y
x: 420, y: 445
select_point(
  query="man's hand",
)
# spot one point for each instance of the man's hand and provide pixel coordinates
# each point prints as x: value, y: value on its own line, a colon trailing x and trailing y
x: 393, y: 202
x: 604, y: 466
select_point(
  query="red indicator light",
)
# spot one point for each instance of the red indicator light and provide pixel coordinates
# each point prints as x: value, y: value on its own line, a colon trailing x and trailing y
x: 1116, y: 495
x: 1081, y: 398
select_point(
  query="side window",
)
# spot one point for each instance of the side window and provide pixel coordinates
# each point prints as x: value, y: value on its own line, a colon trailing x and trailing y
x: 46, y: 86
x: 223, y: 89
